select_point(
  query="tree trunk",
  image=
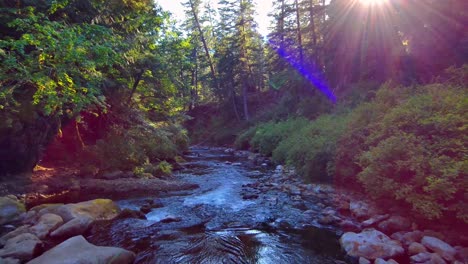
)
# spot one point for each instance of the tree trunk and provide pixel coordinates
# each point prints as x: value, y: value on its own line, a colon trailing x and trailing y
x: 205, y: 45
x: 299, y: 35
x: 313, y: 30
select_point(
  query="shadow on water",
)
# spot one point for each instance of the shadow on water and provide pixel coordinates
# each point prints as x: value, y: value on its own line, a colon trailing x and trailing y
x: 202, y: 230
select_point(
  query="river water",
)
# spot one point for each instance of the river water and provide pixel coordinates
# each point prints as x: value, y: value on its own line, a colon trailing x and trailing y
x: 226, y: 220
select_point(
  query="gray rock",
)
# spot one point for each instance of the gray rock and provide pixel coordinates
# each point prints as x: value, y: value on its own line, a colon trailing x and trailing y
x: 10, y: 209
x: 113, y: 175
x: 439, y: 247
x: 421, y: 257
x: 406, y: 238
x: 416, y: 248
x: 360, y: 209
x: 46, y: 224
x: 22, y: 247
x: 98, y: 209
x: 78, y: 250
x: 374, y: 220
x: 74, y: 227
x: 394, y: 224
x: 392, y: 261
x: 370, y: 244
x: 436, y: 259
x: 9, y: 261
x: 18, y: 231
x: 364, y: 261
x: 380, y: 261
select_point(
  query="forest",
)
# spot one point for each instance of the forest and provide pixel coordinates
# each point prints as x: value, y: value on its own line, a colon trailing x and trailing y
x: 369, y: 96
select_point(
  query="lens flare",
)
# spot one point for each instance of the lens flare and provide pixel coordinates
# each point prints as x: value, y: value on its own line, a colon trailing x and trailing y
x: 372, y: 2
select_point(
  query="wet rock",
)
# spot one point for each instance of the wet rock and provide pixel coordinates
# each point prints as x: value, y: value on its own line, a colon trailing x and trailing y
x: 46, y: 224
x: 462, y: 254
x: 370, y: 244
x: 250, y: 196
x: 169, y: 235
x: 440, y: 247
x: 10, y: 209
x: 146, y: 208
x: 129, y: 213
x: 406, y: 238
x: 78, y: 250
x: 392, y: 261
x: 394, y: 224
x: 170, y: 219
x: 74, y: 227
x: 416, y: 248
x: 23, y: 247
x: 349, y: 226
x: 380, y: 261
x: 98, y: 209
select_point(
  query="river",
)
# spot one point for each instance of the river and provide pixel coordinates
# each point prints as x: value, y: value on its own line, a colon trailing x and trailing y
x: 229, y: 219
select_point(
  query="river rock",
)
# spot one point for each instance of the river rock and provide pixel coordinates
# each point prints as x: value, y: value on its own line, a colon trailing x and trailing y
x: 22, y: 247
x: 129, y: 213
x: 46, y: 224
x: 18, y: 231
x: 112, y: 175
x: 10, y: 209
x: 9, y: 261
x: 416, y: 248
x: 360, y: 209
x: 74, y: 227
x: 374, y: 220
x: 406, y: 238
x: 394, y: 224
x: 370, y: 244
x: 99, y: 209
x: 78, y: 250
x: 364, y: 261
x: 440, y: 247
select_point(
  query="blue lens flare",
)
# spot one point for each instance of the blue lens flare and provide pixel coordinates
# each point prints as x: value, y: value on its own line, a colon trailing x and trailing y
x: 306, y: 72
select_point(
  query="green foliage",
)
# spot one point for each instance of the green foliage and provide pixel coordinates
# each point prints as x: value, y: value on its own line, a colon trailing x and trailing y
x: 311, y: 148
x: 243, y: 140
x: 409, y: 145
x: 417, y: 152
x: 269, y: 135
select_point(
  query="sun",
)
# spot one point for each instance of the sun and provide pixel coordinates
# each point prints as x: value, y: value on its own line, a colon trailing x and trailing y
x: 372, y: 2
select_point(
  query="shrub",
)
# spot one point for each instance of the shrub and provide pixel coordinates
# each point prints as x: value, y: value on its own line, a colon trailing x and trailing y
x: 243, y: 140
x: 269, y: 135
x: 417, y: 152
x: 311, y: 149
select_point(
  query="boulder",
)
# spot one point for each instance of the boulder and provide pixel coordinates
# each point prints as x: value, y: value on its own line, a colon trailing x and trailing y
x: 46, y: 224
x: 380, y: 261
x: 74, y: 227
x: 98, y: 209
x: 23, y: 247
x: 10, y: 209
x: 370, y: 244
x: 78, y: 250
x: 113, y: 175
x: 440, y: 247
x: 421, y: 257
x: 394, y: 224
x: 416, y: 248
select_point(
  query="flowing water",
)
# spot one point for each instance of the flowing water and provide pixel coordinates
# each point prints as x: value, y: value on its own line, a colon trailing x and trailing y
x: 223, y: 221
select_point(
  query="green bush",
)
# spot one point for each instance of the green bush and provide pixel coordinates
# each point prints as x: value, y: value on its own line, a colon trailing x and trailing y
x: 417, y: 152
x: 311, y: 149
x: 243, y: 140
x: 269, y: 135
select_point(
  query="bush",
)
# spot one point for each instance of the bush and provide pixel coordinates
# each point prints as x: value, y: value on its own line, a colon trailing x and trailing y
x: 243, y: 140
x: 269, y: 135
x: 311, y: 149
x: 417, y: 152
